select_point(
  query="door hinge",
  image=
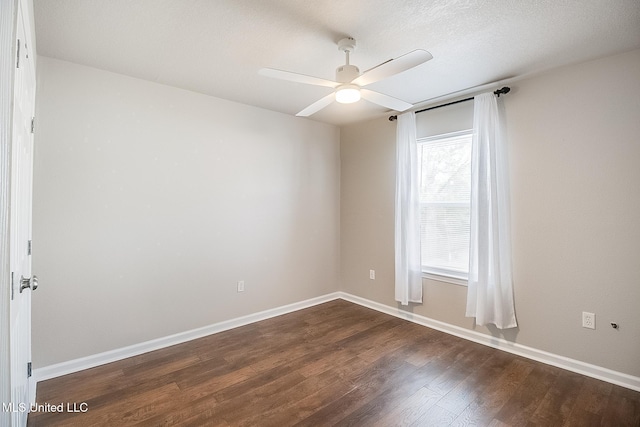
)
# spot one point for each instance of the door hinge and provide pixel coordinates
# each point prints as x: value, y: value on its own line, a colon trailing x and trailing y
x: 12, y: 273
x: 29, y: 247
x: 33, y: 124
x: 29, y: 370
x: 18, y: 55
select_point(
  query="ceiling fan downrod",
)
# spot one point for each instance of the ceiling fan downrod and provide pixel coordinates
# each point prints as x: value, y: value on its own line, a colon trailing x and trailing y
x: 347, y: 73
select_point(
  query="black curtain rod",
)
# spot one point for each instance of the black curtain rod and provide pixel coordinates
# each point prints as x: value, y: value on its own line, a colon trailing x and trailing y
x: 498, y: 92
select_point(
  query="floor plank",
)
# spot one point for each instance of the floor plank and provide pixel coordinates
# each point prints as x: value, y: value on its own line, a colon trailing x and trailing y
x: 333, y: 364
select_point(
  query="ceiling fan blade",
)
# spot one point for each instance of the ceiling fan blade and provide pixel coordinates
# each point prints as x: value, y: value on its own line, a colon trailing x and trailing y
x: 317, y: 106
x: 385, y: 100
x: 393, y: 66
x: 295, y: 77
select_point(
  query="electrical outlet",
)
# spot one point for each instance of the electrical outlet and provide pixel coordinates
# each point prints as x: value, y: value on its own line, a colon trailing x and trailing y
x: 372, y: 274
x: 241, y: 286
x: 588, y: 320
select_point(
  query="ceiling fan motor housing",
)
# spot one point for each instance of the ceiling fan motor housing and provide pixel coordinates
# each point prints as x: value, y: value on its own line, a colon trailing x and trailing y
x: 346, y: 73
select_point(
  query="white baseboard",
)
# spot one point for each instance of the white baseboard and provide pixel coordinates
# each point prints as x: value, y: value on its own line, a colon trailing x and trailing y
x: 573, y: 365
x: 92, y: 361
x: 600, y: 373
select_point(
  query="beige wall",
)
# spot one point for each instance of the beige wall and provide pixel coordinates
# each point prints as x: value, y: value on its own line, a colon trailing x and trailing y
x: 151, y: 202
x: 575, y: 173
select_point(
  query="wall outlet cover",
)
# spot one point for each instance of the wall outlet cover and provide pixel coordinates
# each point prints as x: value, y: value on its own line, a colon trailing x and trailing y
x: 588, y: 320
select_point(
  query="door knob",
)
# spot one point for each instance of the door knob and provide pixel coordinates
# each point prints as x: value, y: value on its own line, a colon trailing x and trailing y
x: 28, y: 282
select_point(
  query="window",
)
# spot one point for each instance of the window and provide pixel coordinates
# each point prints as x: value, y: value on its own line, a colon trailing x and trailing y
x: 445, y: 191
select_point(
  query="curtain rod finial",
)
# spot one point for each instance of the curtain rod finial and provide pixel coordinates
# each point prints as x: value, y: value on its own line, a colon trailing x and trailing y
x: 502, y: 91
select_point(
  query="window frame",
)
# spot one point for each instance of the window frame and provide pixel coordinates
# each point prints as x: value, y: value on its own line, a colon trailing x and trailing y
x: 435, y: 273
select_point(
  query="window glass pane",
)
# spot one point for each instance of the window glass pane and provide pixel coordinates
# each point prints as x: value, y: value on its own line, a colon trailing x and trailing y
x: 445, y: 186
x: 446, y: 170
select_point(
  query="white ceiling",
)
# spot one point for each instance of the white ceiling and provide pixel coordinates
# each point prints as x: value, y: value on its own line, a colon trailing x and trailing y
x: 216, y: 47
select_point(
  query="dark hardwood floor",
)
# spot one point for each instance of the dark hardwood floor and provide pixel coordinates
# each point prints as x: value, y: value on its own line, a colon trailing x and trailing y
x: 333, y: 364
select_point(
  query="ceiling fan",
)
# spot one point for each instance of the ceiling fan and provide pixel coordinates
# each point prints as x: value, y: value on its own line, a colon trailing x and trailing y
x: 350, y: 84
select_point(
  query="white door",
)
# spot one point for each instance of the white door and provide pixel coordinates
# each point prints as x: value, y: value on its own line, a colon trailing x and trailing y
x: 22, y: 282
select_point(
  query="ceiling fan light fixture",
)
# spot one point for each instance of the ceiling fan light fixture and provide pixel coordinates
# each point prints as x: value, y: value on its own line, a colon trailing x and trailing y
x: 348, y: 94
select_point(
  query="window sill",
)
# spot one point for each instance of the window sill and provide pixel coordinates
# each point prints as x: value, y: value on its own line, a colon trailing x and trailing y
x: 461, y: 281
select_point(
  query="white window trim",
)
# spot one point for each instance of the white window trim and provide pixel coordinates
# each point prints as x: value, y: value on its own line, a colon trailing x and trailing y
x: 447, y: 277
x: 444, y: 275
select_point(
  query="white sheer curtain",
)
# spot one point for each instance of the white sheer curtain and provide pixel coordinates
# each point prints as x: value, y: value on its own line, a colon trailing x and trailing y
x: 407, y: 213
x: 490, y: 291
